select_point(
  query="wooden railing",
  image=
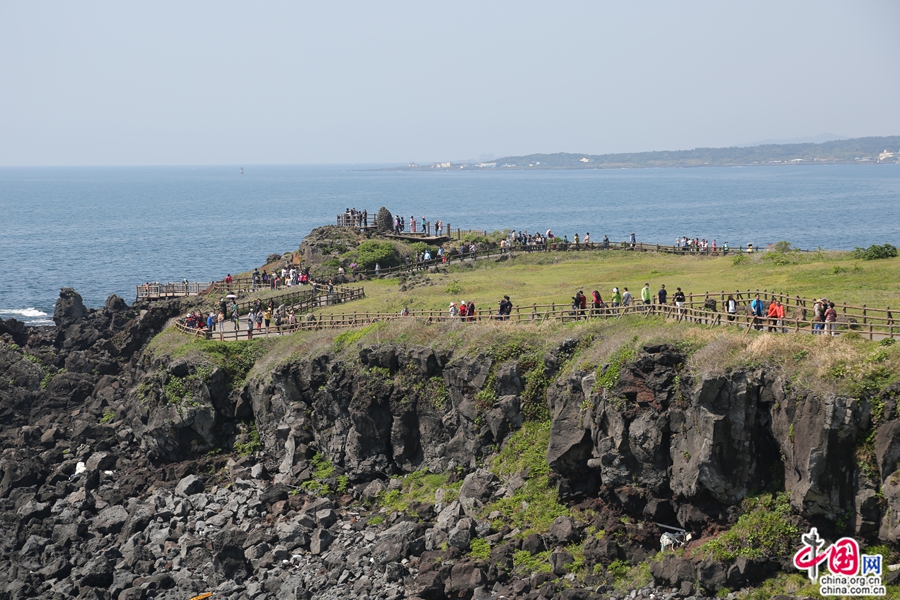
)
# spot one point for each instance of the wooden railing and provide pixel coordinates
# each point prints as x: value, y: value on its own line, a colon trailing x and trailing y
x: 156, y: 290
x: 305, y: 303
x: 245, y: 284
x: 874, y: 327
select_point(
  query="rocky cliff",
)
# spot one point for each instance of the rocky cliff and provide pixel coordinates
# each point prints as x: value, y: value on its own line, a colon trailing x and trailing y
x: 388, y: 471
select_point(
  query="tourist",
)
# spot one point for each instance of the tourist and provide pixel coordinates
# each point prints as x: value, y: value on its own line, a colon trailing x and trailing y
x: 587, y: 240
x: 818, y: 316
x: 632, y: 240
x: 250, y: 325
x: 662, y: 294
x: 646, y: 294
x: 757, y: 309
x: 454, y: 312
x: 278, y: 320
x: 596, y: 302
x: 831, y: 319
x: 626, y: 298
x: 470, y: 310
x: 377, y: 271
x: 731, y: 307
x: 505, y: 308
x: 292, y: 319
x: 616, y: 298
x: 679, y: 298
x: 220, y: 319
x: 605, y: 242
x: 267, y: 317
x: 575, y: 240
x: 776, y: 316
x: 462, y: 310
x: 404, y: 312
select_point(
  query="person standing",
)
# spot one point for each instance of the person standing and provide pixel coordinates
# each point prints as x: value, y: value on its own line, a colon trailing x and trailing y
x: 662, y: 294
x: 505, y: 308
x: 646, y: 294
x: 220, y: 320
x: 632, y: 240
x: 731, y: 307
x: 626, y: 298
x: 616, y: 298
x: 454, y: 312
x: 831, y: 319
x: 250, y: 325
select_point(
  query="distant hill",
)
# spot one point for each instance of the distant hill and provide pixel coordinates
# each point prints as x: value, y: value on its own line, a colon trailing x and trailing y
x: 856, y: 150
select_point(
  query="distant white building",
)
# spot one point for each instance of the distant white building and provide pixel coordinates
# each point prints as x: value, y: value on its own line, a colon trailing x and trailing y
x: 585, y: 159
x: 885, y: 155
x: 413, y: 165
x: 441, y: 165
x: 486, y: 165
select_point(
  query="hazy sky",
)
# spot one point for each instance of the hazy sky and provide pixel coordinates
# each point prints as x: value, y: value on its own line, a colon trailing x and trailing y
x: 108, y: 83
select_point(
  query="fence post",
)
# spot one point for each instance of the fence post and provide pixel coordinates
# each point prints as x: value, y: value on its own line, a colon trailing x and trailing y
x: 865, y: 314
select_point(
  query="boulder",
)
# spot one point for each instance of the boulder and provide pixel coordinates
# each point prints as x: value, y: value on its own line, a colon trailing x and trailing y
x: 69, y: 308
x: 189, y: 486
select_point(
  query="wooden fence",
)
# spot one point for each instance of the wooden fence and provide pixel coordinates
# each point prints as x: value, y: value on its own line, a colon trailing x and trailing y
x: 156, y: 290
x: 245, y: 284
x: 862, y: 320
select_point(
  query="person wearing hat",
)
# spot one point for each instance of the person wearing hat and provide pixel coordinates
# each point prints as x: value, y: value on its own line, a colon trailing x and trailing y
x: 616, y: 297
x: 462, y: 310
x: 453, y: 310
x: 818, y: 316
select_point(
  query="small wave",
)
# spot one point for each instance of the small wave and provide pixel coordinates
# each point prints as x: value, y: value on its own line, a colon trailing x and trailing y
x: 23, y: 312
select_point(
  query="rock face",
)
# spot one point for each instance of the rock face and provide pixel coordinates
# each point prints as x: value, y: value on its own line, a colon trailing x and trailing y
x: 112, y: 483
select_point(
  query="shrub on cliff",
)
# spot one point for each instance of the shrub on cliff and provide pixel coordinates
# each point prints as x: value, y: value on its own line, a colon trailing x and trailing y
x: 371, y: 252
x: 875, y: 252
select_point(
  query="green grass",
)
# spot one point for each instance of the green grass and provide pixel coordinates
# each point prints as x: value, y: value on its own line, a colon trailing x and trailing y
x: 762, y: 531
x: 555, y: 277
x: 536, y: 504
x: 418, y: 487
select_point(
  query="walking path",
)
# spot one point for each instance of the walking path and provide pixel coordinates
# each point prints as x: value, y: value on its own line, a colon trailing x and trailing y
x: 873, y: 324
x: 155, y: 291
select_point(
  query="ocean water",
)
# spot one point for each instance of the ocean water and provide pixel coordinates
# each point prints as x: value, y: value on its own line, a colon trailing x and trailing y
x: 103, y: 230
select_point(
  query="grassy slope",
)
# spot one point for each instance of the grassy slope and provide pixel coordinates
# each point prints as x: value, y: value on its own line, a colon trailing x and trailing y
x: 547, y: 278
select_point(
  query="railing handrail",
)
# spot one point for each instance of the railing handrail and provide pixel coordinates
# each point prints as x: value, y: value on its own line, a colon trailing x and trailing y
x: 562, y: 312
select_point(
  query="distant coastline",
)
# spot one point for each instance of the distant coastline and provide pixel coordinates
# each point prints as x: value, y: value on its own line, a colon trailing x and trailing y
x: 867, y: 150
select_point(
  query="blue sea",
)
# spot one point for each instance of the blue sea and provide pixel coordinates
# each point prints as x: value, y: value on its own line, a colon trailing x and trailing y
x: 103, y: 230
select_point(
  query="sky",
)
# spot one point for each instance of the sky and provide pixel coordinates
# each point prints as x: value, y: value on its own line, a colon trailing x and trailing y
x: 220, y: 82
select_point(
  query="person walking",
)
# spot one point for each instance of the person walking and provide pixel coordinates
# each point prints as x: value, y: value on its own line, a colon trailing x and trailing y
x: 757, y: 309
x: 731, y: 307
x: 626, y: 298
x: 646, y: 294
x: 662, y: 294
x: 596, y: 302
x: 220, y: 320
x: 679, y: 301
x: 616, y: 298
x: 250, y: 325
